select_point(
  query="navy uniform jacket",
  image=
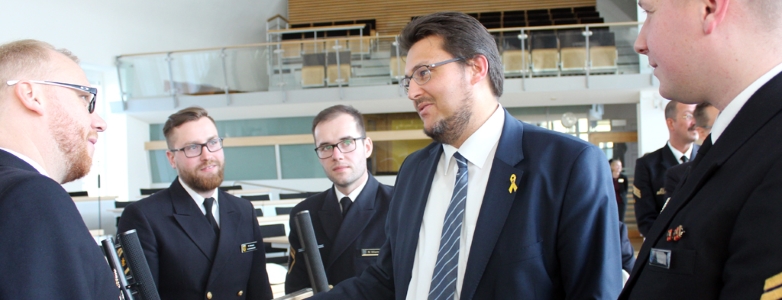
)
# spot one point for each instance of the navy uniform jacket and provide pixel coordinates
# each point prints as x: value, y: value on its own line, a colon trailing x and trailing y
x: 729, y: 206
x: 363, y: 229
x: 46, y: 251
x: 623, y: 184
x: 555, y: 237
x: 674, y: 176
x: 648, y: 187
x: 183, y: 253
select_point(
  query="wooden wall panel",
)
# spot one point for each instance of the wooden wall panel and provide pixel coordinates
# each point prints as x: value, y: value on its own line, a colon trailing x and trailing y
x: 392, y: 16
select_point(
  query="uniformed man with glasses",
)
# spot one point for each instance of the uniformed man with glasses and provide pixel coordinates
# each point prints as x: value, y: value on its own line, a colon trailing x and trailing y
x: 48, y: 132
x: 200, y: 242
x: 349, y: 218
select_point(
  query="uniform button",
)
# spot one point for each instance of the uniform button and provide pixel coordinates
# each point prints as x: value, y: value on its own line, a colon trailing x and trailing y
x: 209, y: 295
x: 240, y: 293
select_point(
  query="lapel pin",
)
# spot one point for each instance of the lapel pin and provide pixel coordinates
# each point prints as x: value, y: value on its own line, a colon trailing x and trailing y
x: 678, y: 233
x: 513, y: 186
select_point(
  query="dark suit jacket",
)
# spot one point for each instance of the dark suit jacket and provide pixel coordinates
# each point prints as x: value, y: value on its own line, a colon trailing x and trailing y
x: 621, y: 186
x: 649, y: 191
x: 674, y: 176
x: 46, y: 251
x: 729, y: 206
x: 343, y: 240
x: 628, y: 253
x: 183, y: 253
x: 553, y: 238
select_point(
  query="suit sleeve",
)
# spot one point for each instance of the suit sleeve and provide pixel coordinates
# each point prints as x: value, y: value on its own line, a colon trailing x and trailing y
x: 297, y: 277
x: 133, y: 218
x: 375, y: 283
x: 628, y: 253
x: 588, y: 244
x: 645, y: 211
x: 46, y: 250
x: 258, y: 287
x: 754, y: 244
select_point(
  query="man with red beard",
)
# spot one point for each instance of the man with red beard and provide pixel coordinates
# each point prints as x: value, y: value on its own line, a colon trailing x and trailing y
x: 48, y: 131
x: 200, y: 242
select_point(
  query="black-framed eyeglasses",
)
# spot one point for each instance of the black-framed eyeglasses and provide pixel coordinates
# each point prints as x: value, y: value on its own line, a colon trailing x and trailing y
x: 345, y: 146
x: 90, y: 99
x: 422, y: 74
x: 194, y: 150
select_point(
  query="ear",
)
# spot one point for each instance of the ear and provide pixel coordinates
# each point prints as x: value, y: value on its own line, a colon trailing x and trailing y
x: 170, y: 156
x: 714, y: 12
x: 29, y: 96
x: 479, y: 68
x: 368, y: 147
x: 669, y: 123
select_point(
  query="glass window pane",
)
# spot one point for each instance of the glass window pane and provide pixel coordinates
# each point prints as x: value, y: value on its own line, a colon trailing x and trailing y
x: 300, y: 161
x: 160, y: 168
x: 250, y: 163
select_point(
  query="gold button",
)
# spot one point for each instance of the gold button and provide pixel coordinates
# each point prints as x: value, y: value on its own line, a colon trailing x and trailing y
x: 240, y: 293
x: 208, y: 295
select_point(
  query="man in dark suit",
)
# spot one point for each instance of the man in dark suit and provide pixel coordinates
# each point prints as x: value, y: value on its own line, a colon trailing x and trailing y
x: 705, y: 114
x: 494, y: 208
x: 200, y: 242
x: 718, y: 238
x: 621, y: 185
x: 47, y: 136
x: 349, y: 218
x: 648, y: 187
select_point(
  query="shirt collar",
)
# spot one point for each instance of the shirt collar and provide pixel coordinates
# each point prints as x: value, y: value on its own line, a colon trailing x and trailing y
x: 678, y: 154
x: 733, y: 108
x: 354, y: 194
x: 29, y: 161
x: 199, y: 200
x: 477, y: 147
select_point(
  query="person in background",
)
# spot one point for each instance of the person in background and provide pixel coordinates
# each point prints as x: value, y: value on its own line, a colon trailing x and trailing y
x: 620, y: 186
x: 705, y: 114
x: 349, y: 218
x: 200, y: 242
x: 48, y: 131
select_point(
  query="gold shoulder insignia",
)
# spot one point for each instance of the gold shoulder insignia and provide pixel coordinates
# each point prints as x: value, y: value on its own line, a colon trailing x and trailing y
x: 661, y: 191
x: 293, y: 260
x: 773, y: 282
x: 636, y: 191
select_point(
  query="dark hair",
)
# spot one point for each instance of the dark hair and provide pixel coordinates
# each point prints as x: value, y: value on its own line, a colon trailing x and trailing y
x: 336, y: 110
x: 670, y: 110
x: 463, y: 36
x: 701, y: 119
x: 193, y: 113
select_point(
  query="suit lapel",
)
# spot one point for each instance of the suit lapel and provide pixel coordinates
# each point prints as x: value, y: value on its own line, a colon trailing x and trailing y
x: 192, y: 220
x: 10, y: 160
x: 330, y: 215
x: 497, y: 202
x: 229, y: 228
x: 758, y: 110
x: 355, y: 221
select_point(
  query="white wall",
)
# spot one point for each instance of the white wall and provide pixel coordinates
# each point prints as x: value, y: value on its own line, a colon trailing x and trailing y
x: 652, y: 131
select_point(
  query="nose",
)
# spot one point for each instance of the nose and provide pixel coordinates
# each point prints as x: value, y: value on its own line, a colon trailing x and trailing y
x: 414, y: 90
x: 98, y: 123
x: 337, y: 154
x: 640, y: 43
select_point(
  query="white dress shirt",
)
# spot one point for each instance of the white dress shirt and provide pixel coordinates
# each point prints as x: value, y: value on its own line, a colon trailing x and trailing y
x: 26, y: 159
x: 678, y: 154
x: 199, y: 201
x: 352, y: 196
x: 733, y: 108
x: 479, y: 150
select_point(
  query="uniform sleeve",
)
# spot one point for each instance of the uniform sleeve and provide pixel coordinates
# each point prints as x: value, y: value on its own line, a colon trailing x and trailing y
x: 133, y: 218
x: 645, y: 211
x: 258, y: 286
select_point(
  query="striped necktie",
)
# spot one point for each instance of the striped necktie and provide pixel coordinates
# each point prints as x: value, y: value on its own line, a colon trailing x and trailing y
x: 443, y: 285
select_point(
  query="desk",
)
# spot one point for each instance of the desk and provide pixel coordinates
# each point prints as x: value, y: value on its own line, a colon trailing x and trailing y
x: 287, y: 202
x: 279, y: 242
x: 238, y: 193
x: 283, y: 219
x: 88, y: 198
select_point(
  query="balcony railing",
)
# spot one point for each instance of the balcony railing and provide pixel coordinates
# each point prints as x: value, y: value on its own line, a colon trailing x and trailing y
x: 527, y: 52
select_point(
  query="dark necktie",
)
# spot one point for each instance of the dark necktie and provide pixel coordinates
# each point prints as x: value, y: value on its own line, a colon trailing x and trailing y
x: 208, y: 202
x: 683, y: 159
x: 443, y: 285
x: 345, y: 202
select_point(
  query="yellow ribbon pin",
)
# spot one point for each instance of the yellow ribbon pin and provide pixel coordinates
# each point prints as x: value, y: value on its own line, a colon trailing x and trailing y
x: 513, y: 186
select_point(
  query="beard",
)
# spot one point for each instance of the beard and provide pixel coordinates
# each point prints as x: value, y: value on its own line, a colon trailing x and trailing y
x: 203, y: 182
x: 71, y: 141
x: 450, y: 129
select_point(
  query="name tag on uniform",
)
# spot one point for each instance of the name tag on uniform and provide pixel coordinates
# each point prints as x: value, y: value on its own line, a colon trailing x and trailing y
x: 370, y: 252
x: 621, y: 180
x: 249, y: 247
x: 660, y: 258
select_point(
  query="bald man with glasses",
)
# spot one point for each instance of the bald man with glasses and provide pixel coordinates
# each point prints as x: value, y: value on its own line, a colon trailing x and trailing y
x: 48, y: 131
x: 349, y: 218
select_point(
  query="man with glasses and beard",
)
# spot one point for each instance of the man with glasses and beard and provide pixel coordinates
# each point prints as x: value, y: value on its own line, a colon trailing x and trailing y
x: 494, y: 208
x: 48, y: 131
x: 200, y: 242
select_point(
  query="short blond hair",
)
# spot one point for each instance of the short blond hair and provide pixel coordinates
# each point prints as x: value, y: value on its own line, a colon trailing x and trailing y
x: 27, y: 58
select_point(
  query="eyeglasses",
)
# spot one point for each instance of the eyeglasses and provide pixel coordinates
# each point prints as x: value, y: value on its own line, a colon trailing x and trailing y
x: 688, y: 117
x: 422, y: 74
x: 345, y: 146
x: 88, y: 98
x: 194, y: 150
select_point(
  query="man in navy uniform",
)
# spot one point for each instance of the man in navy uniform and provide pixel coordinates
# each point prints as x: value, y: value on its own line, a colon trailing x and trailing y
x: 648, y: 187
x: 200, y: 242
x: 705, y: 114
x: 349, y: 218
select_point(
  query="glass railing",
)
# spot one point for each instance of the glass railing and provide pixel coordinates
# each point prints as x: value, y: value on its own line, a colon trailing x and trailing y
x: 571, y: 50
